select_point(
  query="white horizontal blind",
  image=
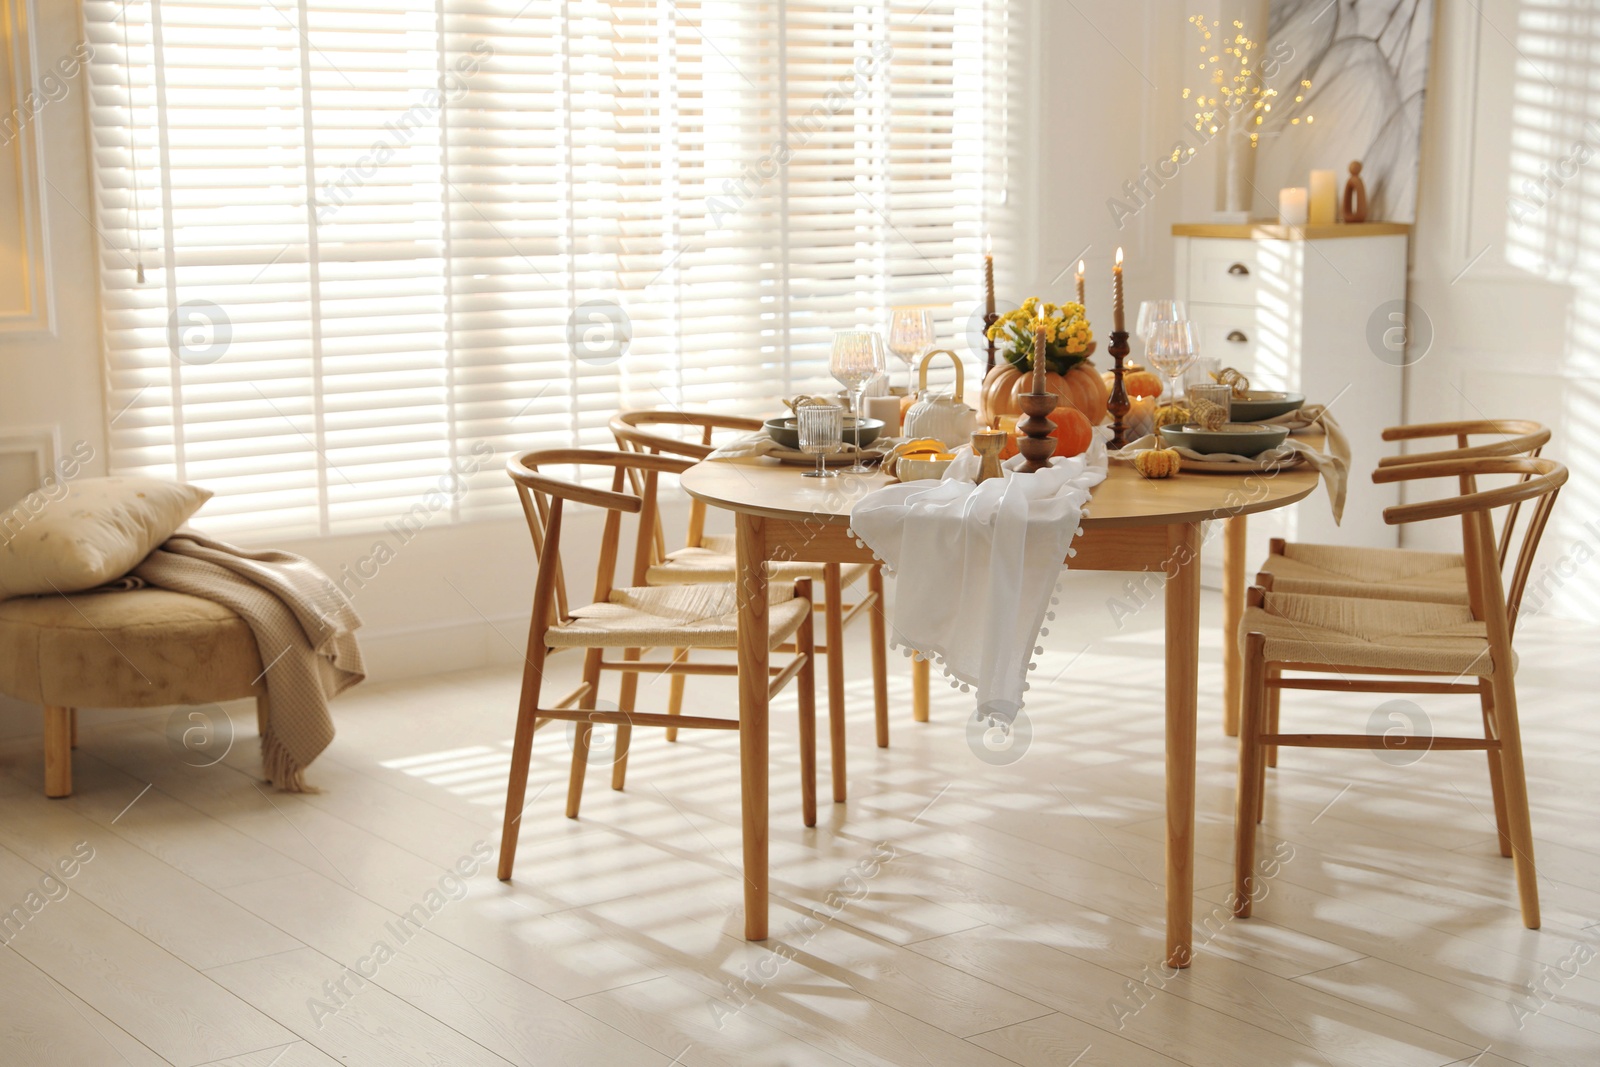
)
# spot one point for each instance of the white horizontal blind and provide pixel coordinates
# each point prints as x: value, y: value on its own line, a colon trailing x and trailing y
x: 385, y: 243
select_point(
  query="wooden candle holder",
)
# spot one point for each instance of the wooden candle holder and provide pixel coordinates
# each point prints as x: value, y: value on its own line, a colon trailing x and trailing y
x: 1118, y: 405
x: 988, y: 444
x: 988, y: 324
x: 1035, y: 432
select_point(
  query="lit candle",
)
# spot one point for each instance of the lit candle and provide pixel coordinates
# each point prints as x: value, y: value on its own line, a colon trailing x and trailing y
x: 1116, y: 294
x: 1322, y: 198
x: 1292, y: 206
x: 1080, y: 282
x: 988, y: 275
x: 1040, y: 341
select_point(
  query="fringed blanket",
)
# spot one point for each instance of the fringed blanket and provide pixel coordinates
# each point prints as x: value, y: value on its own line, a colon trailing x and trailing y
x: 305, y: 631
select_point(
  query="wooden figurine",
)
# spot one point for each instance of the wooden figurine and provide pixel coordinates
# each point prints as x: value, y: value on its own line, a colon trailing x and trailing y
x: 1355, y: 195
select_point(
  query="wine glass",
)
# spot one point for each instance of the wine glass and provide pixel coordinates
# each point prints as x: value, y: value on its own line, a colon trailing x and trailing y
x: 1173, y: 346
x: 910, y: 336
x: 857, y: 359
x: 1154, y: 311
x: 821, y: 433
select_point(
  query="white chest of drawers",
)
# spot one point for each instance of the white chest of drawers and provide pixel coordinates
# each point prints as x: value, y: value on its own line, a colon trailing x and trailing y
x: 1315, y: 310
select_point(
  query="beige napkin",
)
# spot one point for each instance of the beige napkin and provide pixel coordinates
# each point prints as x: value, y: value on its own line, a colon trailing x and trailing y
x: 759, y: 444
x: 1316, y: 417
x: 1334, y: 469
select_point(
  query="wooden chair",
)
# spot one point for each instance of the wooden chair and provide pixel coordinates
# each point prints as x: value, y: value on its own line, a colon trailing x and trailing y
x: 1406, y: 642
x: 1400, y: 573
x: 633, y: 618
x: 710, y: 558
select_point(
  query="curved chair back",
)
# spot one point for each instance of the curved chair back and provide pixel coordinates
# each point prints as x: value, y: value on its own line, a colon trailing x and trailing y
x: 649, y: 431
x: 1539, y: 480
x: 543, y: 498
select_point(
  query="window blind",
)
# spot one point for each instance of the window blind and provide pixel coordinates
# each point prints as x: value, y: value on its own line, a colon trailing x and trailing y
x: 355, y: 252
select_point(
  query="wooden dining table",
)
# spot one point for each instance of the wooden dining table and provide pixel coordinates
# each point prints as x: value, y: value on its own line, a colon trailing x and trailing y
x: 1131, y: 524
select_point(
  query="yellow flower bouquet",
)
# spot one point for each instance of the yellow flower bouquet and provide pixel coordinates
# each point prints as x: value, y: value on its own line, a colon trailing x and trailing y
x: 1068, y: 338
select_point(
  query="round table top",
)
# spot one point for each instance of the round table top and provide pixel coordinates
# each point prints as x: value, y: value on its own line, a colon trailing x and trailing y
x: 776, y: 490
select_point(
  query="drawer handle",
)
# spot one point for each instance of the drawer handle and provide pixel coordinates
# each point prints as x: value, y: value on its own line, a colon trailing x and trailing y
x: 1239, y: 269
x: 1237, y: 337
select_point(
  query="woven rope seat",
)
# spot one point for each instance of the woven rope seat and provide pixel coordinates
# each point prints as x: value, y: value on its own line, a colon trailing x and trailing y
x: 714, y: 561
x: 677, y: 616
x: 1390, y: 573
x: 1357, y: 632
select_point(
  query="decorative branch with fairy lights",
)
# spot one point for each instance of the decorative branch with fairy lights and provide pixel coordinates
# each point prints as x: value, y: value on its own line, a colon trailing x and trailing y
x: 1237, y: 82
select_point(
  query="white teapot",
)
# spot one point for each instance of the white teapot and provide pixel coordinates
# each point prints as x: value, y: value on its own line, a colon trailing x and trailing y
x: 940, y: 417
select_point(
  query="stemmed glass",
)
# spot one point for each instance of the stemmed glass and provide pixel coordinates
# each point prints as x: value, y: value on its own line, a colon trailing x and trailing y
x: 1152, y: 312
x: 1173, y: 346
x: 911, y: 335
x: 821, y: 434
x: 857, y: 359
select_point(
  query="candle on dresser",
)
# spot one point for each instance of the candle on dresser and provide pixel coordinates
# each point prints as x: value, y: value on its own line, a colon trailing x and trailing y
x: 988, y: 276
x: 1080, y: 283
x: 1040, y: 344
x: 1116, y: 293
x: 1323, y: 197
x: 1292, y: 206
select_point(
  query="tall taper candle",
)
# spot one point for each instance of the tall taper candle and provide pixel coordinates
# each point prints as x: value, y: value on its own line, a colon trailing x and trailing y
x: 988, y: 277
x: 1080, y: 283
x: 1116, y: 293
x: 1041, y: 341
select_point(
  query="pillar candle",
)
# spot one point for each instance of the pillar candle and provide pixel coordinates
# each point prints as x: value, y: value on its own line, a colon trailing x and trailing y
x: 1116, y: 294
x: 1141, y: 417
x: 1321, y: 209
x: 1040, y: 344
x: 1292, y: 206
x: 988, y: 277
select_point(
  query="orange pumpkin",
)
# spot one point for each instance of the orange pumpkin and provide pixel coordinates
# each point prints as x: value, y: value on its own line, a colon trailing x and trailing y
x: 1136, y: 381
x: 1073, y: 433
x: 1080, y: 388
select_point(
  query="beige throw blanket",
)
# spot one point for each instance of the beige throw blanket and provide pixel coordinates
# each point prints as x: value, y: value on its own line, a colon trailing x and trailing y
x: 304, y: 627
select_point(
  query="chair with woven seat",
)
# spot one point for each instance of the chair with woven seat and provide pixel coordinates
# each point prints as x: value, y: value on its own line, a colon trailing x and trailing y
x: 141, y: 648
x: 1406, y: 643
x: 1400, y: 573
x: 710, y: 558
x: 633, y: 618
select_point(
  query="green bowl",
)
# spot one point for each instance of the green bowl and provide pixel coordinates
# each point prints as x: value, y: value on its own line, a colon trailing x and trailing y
x: 1234, y: 438
x: 785, y: 430
x: 1258, y: 404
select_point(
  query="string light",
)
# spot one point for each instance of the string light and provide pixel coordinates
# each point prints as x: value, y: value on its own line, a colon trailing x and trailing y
x: 1234, y: 78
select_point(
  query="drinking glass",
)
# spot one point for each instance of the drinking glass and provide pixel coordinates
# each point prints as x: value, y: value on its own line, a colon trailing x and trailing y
x: 858, y: 357
x: 1154, y: 311
x: 1173, y: 346
x: 1220, y: 395
x: 910, y: 337
x: 1203, y: 372
x: 821, y: 434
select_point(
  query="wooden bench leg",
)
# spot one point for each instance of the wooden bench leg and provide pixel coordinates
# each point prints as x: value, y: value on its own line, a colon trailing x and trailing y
x: 919, y: 690
x: 261, y: 714
x: 57, y: 752
x: 74, y: 727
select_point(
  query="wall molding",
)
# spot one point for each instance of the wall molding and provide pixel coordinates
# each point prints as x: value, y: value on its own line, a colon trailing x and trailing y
x: 32, y: 312
x: 43, y: 443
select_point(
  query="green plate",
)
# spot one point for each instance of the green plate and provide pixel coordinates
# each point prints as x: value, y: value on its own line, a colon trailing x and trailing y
x: 1258, y: 404
x: 1235, y: 438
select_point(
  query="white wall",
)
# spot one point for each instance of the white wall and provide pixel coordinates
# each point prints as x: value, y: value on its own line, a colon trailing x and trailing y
x: 1509, y: 290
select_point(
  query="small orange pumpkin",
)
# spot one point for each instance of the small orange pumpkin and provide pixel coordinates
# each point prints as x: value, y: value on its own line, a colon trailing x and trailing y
x: 1073, y: 433
x: 1080, y: 388
x: 1136, y: 381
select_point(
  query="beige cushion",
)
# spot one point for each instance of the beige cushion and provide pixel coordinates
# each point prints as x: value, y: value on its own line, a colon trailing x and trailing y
x: 96, y: 530
x: 142, y: 648
x: 675, y: 616
x: 1357, y: 632
x: 714, y: 561
x: 1390, y: 573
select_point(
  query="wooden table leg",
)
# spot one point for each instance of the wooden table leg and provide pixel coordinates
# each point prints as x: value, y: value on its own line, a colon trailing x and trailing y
x: 919, y: 690
x: 1234, y: 547
x: 1183, y: 671
x: 834, y: 591
x: 751, y: 589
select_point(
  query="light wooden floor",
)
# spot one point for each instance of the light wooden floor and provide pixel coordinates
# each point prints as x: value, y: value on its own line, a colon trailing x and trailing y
x: 953, y: 912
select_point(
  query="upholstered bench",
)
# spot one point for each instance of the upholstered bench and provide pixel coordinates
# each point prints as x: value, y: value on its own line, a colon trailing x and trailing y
x: 140, y: 648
